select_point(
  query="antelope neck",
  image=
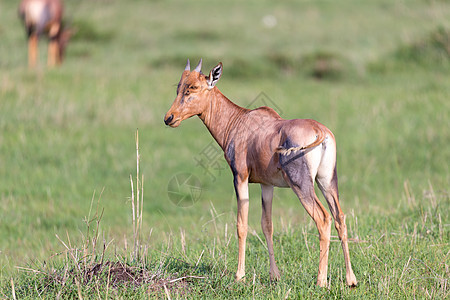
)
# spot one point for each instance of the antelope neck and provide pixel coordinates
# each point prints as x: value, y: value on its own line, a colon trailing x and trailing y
x: 221, y: 116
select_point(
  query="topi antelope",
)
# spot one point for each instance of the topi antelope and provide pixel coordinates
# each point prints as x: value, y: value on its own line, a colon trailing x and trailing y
x: 263, y: 148
x: 44, y: 17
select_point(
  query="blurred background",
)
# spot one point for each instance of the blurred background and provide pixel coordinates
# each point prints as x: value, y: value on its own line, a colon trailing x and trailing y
x: 375, y: 72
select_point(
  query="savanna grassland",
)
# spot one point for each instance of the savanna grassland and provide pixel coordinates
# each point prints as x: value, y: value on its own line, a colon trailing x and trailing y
x: 377, y: 73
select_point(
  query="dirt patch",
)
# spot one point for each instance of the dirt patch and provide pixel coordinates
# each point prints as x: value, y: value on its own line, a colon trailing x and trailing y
x: 118, y: 275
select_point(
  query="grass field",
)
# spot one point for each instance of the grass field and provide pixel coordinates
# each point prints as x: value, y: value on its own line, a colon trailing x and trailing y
x: 377, y: 73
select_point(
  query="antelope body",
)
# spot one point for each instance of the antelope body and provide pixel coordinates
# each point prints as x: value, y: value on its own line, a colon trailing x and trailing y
x: 44, y: 17
x: 263, y: 148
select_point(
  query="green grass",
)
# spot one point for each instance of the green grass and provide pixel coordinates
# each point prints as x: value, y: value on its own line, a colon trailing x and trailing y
x: 67, y: 137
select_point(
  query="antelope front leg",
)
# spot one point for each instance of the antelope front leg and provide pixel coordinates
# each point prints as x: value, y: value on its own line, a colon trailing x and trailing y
x: 53, y: 53
x: 32, y: 50
x: 241, y: 187
x: 53, y: 57
x: 267, y: 227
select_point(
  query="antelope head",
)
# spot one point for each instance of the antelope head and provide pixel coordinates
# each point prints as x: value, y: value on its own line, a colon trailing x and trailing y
x: 193, y: 94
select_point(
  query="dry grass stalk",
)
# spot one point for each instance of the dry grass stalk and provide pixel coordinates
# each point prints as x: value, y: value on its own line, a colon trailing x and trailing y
x: 133, y: 209
x: 90, y: 242
x: 411, y: 200
x: 13, y: 289
x: 183, y: 241
x: 167, y: 292
x: 78, y: 288
x: 137, y: 203
x: 199, y: 258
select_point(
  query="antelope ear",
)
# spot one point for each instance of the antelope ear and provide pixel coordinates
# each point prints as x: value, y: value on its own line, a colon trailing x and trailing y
x: 214, y: 75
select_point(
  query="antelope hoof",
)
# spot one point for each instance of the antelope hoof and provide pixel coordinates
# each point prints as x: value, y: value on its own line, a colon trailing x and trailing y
x: 275, y: 275
x: 322, y: 282
x: 239, y: 277
x: 351, y: 281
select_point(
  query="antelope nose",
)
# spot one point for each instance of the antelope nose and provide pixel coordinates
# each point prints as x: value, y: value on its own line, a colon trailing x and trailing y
x: 168, y: 120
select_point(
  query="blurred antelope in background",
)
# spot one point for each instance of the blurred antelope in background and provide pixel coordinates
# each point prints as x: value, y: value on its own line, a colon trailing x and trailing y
x: 44, y: 17
x: 263, y: 148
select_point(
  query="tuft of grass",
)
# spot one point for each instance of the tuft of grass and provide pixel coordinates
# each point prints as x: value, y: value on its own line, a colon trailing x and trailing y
x: 325, y: 65
x: 430, y: 51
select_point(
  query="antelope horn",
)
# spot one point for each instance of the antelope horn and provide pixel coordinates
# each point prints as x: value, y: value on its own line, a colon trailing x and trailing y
x: 199, y: 66
x: 188, y: 66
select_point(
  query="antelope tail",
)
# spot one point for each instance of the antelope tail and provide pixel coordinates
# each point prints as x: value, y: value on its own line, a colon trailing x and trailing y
x: 320, y: 137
